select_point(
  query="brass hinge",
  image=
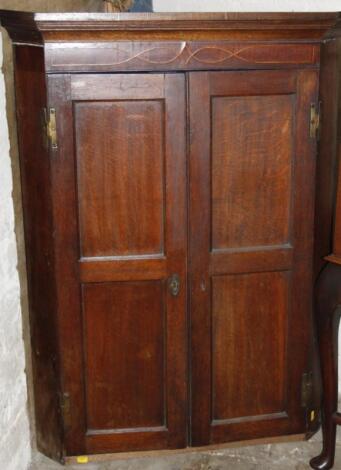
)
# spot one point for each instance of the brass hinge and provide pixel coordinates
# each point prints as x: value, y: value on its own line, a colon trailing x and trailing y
x: 307, y: 390
x: 315, y: 120
x: 65, y: 407
x: 51, y: 127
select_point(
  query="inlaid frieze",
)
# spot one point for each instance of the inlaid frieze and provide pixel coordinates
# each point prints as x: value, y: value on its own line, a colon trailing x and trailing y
x: 173, y: 55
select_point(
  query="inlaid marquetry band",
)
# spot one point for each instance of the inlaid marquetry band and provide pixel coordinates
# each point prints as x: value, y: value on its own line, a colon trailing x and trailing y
x: 178, y: 55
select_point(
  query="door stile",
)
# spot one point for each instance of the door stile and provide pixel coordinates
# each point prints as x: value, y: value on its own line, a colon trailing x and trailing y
x: 176, y: 221
x: 199, y: 282
x: 303, y: 234
x: 66, y: 245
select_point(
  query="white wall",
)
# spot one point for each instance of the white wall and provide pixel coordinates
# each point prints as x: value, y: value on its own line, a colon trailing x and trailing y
x: 247, y: 5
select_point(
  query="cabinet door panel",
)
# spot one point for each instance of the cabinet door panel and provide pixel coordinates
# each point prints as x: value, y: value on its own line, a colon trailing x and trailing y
x: 129, y: 161
x: 113, y: 312
x: 252, y: 148
x: 119, y: 179
x: 248, y: 377
x: 252, y: 167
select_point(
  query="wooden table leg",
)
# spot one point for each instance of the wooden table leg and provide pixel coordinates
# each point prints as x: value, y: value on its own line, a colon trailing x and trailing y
x: 328, y: 311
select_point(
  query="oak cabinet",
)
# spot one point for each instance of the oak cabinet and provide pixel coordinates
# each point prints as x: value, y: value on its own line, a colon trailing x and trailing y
x: 169, y: 214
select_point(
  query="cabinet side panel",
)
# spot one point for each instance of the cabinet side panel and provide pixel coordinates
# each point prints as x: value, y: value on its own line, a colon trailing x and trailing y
x: 337, y: 211
x: 326, y: 176
x: 327, y: 154
x: 35, y: 178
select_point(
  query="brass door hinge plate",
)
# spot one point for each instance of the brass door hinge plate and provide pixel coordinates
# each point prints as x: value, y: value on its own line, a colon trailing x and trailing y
x: 51, y: 127
x: 307, y: 389
x: 315, y: 120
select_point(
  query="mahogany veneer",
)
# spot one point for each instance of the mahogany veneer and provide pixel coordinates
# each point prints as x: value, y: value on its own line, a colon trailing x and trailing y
x: 169, y: 206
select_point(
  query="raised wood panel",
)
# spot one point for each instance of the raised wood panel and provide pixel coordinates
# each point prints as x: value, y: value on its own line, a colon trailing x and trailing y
x: 249, y: 376
x: 120, y: 163
x: 252, y: 156
x: 175, y: 55
x: 125, y: 361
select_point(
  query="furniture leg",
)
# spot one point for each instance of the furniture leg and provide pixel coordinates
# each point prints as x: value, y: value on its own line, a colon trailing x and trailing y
x: 328, y: 299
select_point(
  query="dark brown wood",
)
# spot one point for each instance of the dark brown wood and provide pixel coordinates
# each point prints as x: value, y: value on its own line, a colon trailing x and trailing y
x: 254, y: 195
x: 135, y: 169
x: 238, y: 302
x: 250, y: 193
x: 327, y: 152
x: 328, y: 288
x: 179, y: 55
x: 328, y: 312
x: 128, y: 194
x: 336, y: 254
x: 36, y: 27
x: 36, y: 194
x: 120, y: 363
x: 113, y: 311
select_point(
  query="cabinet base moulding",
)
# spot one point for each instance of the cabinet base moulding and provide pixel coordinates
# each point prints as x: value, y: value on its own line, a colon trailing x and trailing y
x: 187, y: 450
x: 335, y: 259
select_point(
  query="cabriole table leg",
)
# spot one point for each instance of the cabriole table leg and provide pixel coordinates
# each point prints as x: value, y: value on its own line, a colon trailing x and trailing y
x: 328, y: 311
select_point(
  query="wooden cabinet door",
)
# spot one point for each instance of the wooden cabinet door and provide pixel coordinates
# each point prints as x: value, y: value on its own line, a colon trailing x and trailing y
x: 119, y: 207
x: 252, y: 164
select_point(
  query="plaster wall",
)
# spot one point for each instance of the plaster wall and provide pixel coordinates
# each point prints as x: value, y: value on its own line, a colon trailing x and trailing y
x: 246, y: 5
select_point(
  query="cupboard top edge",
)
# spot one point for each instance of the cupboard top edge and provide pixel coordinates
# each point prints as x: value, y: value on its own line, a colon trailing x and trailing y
x: 309, y: 25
